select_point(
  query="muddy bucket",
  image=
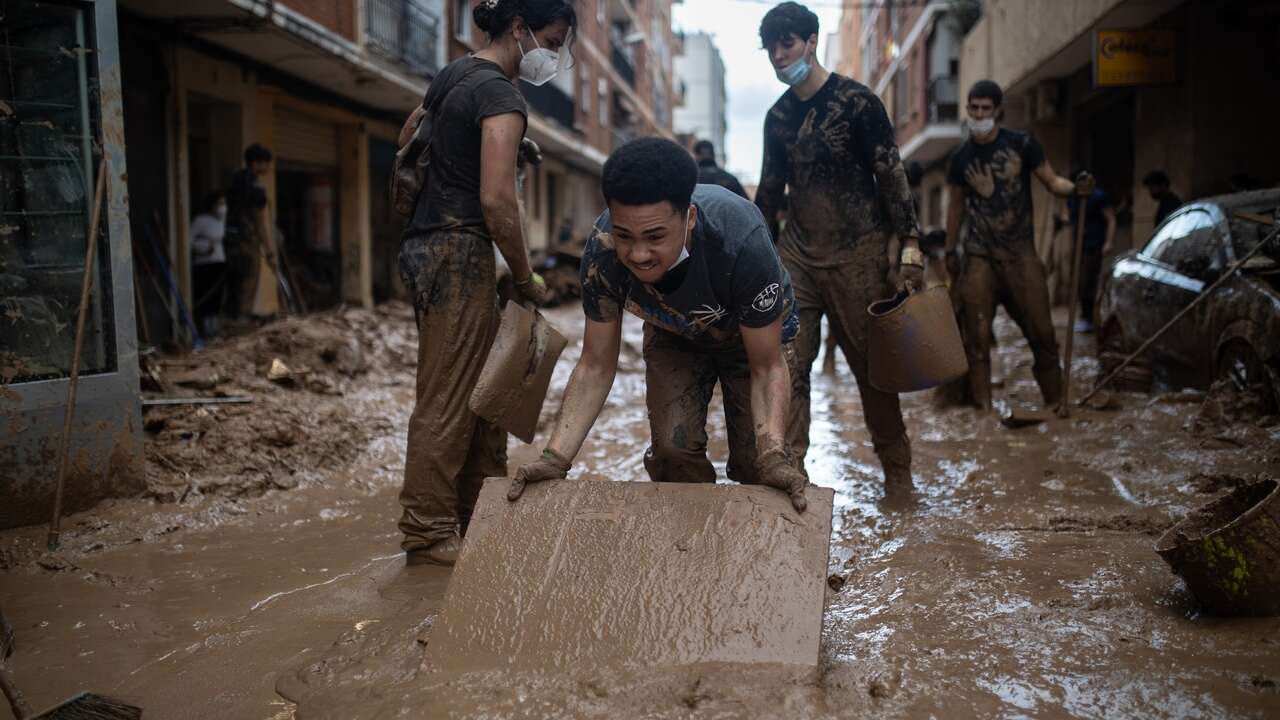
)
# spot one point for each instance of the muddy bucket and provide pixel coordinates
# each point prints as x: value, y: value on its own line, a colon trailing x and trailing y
x: 913, y: 342
x: 1228, y: 551
x: 513, y: 383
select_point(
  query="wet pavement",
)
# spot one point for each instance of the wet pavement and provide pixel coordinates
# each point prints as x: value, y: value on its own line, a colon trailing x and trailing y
x: 1019, y: 582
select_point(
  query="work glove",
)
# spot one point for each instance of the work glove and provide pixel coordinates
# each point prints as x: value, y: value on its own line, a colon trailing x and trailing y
x: 776, y: 472
x: 1085, y: 184
x: 551, y: 466
x: 532, y: 289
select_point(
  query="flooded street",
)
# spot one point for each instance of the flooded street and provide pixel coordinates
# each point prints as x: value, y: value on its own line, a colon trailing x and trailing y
x: 1020, y: 581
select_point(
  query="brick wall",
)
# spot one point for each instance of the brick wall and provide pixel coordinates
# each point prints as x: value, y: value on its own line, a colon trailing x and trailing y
x: 338, y: 16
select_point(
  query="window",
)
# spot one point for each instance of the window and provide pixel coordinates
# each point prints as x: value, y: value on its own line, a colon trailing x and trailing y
x: 586, y: 91
x: 600, y: 14
x: 48, y: 99
x: 935, y: 206
x: 462, y: 20
x: 1186, y: 242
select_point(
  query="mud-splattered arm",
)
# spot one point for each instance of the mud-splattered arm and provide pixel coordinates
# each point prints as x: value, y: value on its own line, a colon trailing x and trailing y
x: 499, y: 143
x: 771, y: 193
x: 891, y: 177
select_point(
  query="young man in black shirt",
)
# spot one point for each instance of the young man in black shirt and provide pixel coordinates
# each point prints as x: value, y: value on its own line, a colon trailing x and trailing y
x: 989, y: 180
x: 710, y: 172
x: 829, y: 151
x: 243, y: 242
x: 697, y: 264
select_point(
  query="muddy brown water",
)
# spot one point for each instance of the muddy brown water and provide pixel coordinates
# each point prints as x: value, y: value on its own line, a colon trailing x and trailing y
x: 1020, y: 581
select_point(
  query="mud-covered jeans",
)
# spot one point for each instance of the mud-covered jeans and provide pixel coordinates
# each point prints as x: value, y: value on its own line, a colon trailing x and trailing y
x: 843, y: 292
x: 1017, y: 282
x: 680, y: 378
x: 451, y: 451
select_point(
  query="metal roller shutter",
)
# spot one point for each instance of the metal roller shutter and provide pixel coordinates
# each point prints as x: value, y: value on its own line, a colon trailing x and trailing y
x: 302, y: 138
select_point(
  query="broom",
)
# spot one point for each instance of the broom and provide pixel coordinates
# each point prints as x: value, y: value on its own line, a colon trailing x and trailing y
x: 85, y: 706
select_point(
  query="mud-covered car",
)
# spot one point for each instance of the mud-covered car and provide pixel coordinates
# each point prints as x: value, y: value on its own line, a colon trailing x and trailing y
x: 1233, y: 335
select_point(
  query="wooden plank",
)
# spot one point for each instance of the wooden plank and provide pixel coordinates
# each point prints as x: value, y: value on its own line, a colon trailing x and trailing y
x: 587, y: 574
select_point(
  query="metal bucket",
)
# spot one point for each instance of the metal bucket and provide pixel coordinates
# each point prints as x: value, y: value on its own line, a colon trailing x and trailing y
x: 913, y: 342
x: 513, y: 383
x: 1228, y: 551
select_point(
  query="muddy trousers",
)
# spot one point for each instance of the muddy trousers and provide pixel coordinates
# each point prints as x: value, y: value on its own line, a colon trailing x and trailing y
x: 1018, y: 283
x: 680, y: 378
x: 843, y: 292
x: 450, y: 450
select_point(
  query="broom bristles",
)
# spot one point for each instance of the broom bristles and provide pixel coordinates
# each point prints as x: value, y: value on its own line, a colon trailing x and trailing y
x: 87, y: 706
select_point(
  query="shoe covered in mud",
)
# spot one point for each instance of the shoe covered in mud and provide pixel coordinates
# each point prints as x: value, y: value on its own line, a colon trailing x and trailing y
x: 443, y: 552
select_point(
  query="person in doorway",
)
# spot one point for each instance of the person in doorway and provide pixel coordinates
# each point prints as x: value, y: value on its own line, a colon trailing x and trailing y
x: 469, y: 204
x: 710, y: 172
x: 209, y: 262
x: 830, y: 153
x: 246, y: 242
x: 1157, y: 184
x: 1099, y: 241
x: 698, y: 265
x: 989, y: 180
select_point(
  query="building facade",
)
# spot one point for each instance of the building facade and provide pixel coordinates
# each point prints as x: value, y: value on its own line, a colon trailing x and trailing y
x: 700, y: 73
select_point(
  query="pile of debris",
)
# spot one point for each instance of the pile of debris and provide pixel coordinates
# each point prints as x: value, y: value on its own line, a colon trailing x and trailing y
x: 263, y: 410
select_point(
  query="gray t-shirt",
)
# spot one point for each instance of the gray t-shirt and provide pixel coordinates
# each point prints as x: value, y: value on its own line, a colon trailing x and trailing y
x: 733, y: 277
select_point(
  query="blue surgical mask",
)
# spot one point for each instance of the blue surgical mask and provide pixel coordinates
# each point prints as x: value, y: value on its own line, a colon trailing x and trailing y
x: 795, y: 73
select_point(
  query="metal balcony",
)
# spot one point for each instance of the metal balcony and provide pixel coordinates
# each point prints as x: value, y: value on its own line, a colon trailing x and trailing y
x: 405, y: 32
x: 551, y: 102
x: 944, y: 99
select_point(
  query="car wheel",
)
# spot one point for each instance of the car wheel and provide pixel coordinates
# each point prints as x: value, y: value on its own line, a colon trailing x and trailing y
x: 1240, y: 366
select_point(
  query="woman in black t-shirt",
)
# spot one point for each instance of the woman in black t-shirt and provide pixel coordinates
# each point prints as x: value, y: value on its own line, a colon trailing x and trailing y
x: 478, y: 119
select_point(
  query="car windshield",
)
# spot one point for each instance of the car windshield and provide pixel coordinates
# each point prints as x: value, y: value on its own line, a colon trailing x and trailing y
x: 1246, y: 234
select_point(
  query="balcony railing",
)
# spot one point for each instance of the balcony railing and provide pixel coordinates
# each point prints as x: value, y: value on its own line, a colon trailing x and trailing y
x: 551, y: 102
x: 405, y: 31
x: 944, y: 99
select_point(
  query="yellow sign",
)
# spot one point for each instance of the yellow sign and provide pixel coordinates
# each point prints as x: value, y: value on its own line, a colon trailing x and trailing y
x: 1135, y: 57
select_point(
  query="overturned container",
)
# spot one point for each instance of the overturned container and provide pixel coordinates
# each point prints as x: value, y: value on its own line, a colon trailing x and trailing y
x: 913, y: 342
x: 1228, y: 551
x: 513, y: 383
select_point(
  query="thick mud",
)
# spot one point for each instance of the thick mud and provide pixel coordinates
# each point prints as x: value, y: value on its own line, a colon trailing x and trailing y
x: 1020, y: 581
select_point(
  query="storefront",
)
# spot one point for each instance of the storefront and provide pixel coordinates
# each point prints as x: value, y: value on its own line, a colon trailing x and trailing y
x: 60, y: 102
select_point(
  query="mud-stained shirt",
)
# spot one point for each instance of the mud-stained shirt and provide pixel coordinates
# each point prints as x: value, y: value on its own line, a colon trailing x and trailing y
x: 833, y: 162
x: 996, y: 178
x: 476, y: 89
x: 734, y: 277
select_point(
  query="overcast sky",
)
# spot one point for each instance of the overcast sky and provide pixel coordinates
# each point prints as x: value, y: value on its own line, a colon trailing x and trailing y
x: 752, y: 86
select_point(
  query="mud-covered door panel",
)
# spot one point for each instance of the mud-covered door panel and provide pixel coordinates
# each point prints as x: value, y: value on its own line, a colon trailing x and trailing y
x: 1183, y: 268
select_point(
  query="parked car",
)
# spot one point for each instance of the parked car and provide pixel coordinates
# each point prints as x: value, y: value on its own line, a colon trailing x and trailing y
x: 1232, y: 335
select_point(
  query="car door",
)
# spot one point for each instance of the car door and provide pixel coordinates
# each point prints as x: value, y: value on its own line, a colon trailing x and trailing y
x: 1142, y: 276
x: 1184, y: 266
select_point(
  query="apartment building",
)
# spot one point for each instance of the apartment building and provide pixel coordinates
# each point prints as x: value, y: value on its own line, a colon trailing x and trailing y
x: 700, y: 73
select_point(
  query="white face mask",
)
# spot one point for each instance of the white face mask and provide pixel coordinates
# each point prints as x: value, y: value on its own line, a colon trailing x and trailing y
x: 684, y: 245
x: 539, y: 65
x: 983, y: 126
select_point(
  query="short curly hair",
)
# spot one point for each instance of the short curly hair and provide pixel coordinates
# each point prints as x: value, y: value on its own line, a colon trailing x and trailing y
x: 650, y: 170
x: 788, y: 18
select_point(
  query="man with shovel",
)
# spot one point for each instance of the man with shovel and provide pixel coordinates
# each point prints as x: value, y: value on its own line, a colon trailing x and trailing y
x: 697, y: 264
x: 989, y: 179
